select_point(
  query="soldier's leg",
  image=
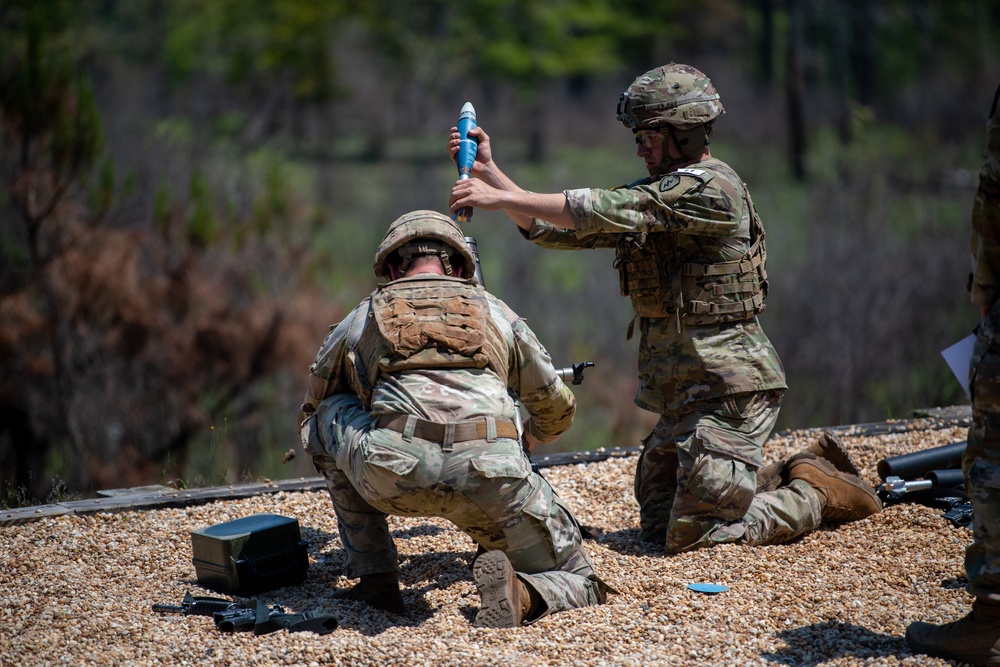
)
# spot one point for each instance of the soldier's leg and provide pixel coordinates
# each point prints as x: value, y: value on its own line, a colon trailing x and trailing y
x: 511, y: 509
x: 337, y: 427
x: 655, y: 482
x: 981, y: 464
x: 717, y: 500
x: 570, y: 581
x: 975, y: 638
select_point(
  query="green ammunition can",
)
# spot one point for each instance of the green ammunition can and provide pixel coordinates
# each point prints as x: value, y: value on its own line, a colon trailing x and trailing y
x: 245, y: 556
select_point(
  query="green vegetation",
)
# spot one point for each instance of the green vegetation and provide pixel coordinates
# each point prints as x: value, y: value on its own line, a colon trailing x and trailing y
x: 193, y: 192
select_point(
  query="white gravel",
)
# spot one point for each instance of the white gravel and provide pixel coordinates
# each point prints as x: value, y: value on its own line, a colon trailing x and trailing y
x: 77, y: 590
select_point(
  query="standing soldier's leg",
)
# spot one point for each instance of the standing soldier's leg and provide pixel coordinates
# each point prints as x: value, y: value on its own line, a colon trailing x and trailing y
x: 981, y: 465
x: 982, y: 472
x: 976, y: 637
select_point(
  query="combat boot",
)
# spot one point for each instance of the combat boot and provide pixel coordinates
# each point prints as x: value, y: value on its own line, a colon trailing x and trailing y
x: 974, y: 639
x: 506, y: 602
x: 842, y: 497
x: 829, y: 447
x: 378, y: 590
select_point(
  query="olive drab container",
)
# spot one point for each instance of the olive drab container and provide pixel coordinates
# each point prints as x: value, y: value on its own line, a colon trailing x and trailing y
x: 257, y: 553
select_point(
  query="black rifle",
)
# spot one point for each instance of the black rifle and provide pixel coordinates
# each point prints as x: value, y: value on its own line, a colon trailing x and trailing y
x: 931, y: 477
x: 274, y: 619
x: 233, y: 617
x: 197, y: 606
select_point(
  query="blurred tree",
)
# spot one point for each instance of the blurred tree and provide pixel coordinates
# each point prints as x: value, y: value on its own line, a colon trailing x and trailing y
x: 52, y: 135
x: 531, y: 44
x: 119, y: 346
x: 273, y: 57
x: 229, y: 113
x: 795, y: 91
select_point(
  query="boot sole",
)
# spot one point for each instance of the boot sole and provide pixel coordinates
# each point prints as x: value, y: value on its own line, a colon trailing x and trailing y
x: 832, y: 449
x: 496, y: 581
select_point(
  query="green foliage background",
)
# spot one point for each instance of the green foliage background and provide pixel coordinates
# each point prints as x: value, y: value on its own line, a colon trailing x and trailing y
x: 302, y: 128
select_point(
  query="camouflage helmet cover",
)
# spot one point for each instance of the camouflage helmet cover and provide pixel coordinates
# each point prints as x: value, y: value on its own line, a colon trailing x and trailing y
x: 421, y: 225
x: 677, y: 95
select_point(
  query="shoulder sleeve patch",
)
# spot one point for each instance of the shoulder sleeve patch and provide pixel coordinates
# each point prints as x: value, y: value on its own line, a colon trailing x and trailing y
x: 690, y: 177
x: 669, y: 182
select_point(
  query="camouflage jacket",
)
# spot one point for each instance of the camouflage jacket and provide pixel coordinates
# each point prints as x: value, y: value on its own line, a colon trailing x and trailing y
x: 985, y: 242
x: 710, y: 217
x: 448, y: 394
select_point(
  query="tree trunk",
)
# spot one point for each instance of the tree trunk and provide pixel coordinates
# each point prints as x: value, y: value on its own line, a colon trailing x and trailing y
x: 795, y: 93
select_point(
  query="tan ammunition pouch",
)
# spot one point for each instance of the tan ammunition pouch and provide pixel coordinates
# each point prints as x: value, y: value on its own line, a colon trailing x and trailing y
x: 651, y: 273
x: 430, y: 322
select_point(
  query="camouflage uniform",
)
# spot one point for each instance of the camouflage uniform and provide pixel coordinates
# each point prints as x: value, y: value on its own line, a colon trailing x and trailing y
x: 716, y: 387
x: 981, y: 463
x: 483, y: 485
x: 689, y: 249
x: 975, y: 638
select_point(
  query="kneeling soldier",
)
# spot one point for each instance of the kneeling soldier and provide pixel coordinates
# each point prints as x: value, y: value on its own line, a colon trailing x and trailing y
x: 410, y: 411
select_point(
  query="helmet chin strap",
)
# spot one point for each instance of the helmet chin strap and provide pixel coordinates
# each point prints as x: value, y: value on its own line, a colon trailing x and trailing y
x: 690, y: 144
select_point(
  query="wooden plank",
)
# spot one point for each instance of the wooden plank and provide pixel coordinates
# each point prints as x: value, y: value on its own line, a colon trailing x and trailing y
x: 18, y: 515
x: 146, y: 498
x: 135, y: 490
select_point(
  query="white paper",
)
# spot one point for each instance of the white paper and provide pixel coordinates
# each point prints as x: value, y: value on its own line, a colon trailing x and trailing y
x: 959, y: 357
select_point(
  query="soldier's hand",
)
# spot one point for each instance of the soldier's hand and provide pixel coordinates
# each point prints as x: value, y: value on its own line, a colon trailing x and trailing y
x: 475, y: 193
x: 530, y: 441
x: 484, y: 154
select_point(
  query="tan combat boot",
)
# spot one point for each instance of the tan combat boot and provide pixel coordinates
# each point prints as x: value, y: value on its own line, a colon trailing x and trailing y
x: 506, y: 601
x: 843, y: 497
x: 974, y: 639
x: 828, y: 446
x: 378, y: 590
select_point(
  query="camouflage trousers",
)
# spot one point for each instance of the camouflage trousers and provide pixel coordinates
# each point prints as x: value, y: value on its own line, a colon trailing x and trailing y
x: 696, y: 479
x: 487, y: 489
x: 981, y: 463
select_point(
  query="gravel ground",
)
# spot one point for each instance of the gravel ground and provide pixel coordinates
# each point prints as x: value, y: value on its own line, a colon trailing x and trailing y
x: 77, y: 590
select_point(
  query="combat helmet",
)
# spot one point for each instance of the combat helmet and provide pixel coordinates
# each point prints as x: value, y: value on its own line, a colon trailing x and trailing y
x: 423, y: 233
x: 673, y: 95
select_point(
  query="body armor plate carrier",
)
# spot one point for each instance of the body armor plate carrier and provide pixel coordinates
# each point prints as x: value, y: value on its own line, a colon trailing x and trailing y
x: 660, y: 284
x: 435, y: 322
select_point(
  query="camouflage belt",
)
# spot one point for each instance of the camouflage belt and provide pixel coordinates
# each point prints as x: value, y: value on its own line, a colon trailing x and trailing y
x: 473, y: 429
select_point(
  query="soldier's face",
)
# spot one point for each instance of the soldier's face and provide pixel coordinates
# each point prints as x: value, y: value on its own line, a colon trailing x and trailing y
x: 649, y: 146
